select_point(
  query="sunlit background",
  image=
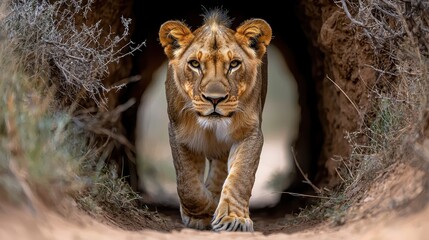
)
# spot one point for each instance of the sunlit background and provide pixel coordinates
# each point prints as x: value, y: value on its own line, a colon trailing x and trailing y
x: 280, y: 126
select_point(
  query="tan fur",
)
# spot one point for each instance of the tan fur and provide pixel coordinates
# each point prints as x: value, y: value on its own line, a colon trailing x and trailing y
x: 202, y: 79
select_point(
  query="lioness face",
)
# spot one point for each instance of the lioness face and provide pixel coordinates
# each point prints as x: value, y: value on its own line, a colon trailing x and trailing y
x: 215, y: 67
x: 215, y: 74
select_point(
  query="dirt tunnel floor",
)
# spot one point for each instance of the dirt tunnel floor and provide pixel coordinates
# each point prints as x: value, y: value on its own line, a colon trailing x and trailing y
x: 16, y: 224
x: 394, y: 208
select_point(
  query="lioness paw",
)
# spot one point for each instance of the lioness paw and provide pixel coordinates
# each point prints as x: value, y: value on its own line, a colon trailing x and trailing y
x: 196, y: 223
x: 232, y: 224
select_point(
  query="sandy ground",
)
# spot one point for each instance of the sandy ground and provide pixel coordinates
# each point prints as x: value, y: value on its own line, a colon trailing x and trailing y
x: 47, y: 225
x: 394, y: 208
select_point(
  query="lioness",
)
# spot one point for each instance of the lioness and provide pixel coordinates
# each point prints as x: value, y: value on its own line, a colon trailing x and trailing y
x: 216, y: 91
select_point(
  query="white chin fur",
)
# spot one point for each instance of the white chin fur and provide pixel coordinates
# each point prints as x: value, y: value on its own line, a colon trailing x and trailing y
x: 219, y: 125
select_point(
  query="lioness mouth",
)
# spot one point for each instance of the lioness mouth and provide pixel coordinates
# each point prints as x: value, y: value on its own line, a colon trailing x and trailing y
x: 214, y: 114
x: 217, y: 115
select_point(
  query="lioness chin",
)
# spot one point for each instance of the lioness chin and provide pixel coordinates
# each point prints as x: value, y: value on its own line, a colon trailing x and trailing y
x: 216, y: 86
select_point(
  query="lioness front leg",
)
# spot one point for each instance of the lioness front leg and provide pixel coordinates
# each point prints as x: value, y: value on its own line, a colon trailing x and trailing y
x: 218, y: 171
x: 196, y: 202
x: 232, y: 212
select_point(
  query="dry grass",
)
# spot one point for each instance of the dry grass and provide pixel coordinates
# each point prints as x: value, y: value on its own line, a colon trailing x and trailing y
x: 75, y: 56
x: 39, y: 149
x: 397, y: 32
x: 48, y: 150
x: 395, y: 122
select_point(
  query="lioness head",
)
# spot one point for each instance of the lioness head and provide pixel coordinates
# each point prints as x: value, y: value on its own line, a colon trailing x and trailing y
x: 214, y: 67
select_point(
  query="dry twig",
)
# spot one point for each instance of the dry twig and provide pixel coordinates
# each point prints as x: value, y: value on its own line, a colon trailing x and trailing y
x: 316, y: 189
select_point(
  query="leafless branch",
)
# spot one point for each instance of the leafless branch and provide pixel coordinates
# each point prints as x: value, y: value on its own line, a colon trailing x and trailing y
x: 348, y: 98
x: 316, y: 189
x: 46, y: 32
x: 346, y: 10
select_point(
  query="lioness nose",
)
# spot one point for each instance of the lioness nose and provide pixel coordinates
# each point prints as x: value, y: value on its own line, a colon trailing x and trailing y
x: 215, y: 93
x: 215, y: 100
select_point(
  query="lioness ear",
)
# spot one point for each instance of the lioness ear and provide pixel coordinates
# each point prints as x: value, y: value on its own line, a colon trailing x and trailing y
x: 255, y: 33
x: 174, y: 35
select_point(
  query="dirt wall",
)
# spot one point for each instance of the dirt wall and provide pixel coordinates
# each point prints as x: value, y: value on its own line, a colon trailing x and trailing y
x: 341, y: 68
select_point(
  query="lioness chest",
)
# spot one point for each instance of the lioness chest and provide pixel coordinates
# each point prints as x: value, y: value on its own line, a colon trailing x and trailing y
x: 211, y: 137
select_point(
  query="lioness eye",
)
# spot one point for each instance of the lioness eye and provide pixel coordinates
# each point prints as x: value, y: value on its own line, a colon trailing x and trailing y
x: 234, y: 64
x: 194, y: 63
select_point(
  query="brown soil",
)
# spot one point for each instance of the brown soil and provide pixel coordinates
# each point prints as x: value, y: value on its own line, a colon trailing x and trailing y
x: 389, y: 226
x: 394, y: 208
